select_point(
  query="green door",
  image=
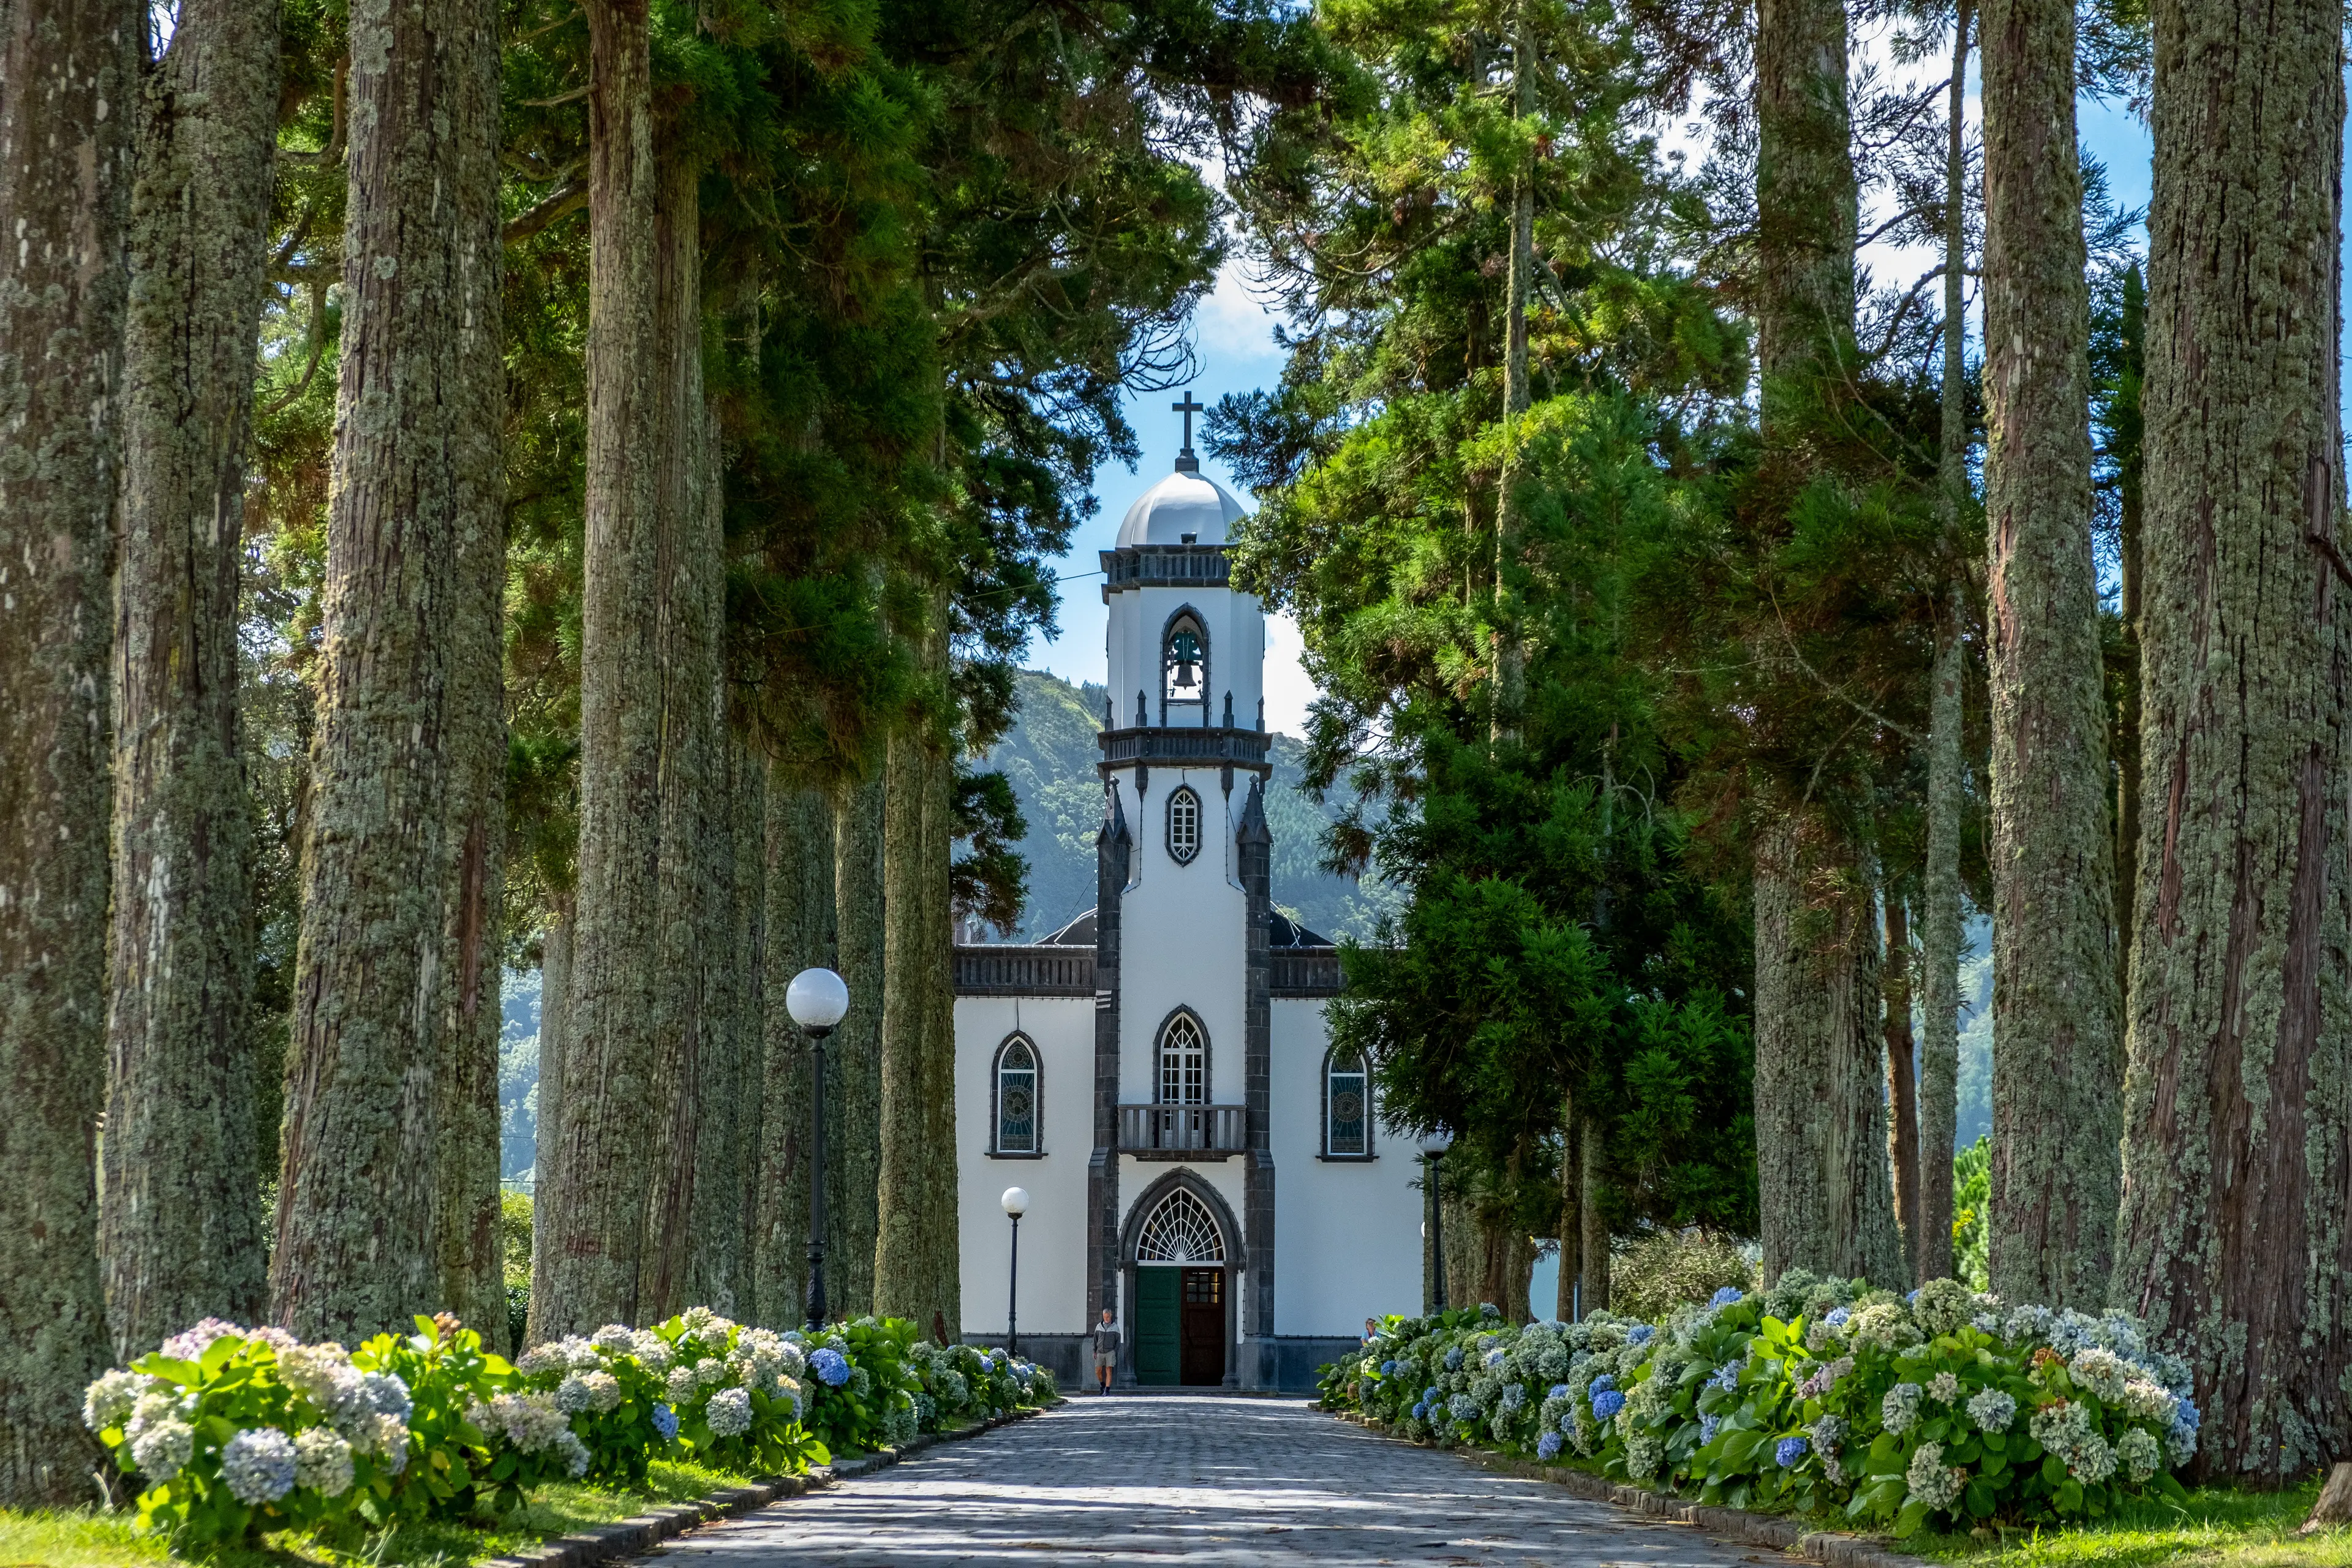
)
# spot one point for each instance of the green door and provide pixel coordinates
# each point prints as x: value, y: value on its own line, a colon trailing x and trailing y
x: 1159, y: 1318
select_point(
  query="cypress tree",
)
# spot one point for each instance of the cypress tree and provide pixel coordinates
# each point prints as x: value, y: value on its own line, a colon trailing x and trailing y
x: 418, y: 410
x: 2235, y: 1233
x: 799, y: 928
x: 69, y: 66
x: 2056, y: 1074
x: 179, y: 1228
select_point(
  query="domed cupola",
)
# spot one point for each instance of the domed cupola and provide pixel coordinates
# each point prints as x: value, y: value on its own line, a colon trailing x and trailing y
x: 1185, y: 508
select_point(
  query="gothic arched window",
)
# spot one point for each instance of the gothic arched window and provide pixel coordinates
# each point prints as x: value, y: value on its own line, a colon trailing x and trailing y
x: 1184, y: 663
x: 1346, y: 1107
x: 1184, y: 825
x: 1183, y: 1062
x: 1016, y: 1098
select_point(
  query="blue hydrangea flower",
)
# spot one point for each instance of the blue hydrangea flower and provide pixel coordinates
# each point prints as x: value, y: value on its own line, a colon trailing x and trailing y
x: 1559, y: 1390
x: 1548, y: 1446
x: 664, y: 1421
x: 1837, y: 1317
x: 1639, y: 1334
x: 1494, y: 1356
x: 1387, y: 1369
x: 1789, y: 1450
x: 1727, y: 1296
x: 1726, y: 1377
x: 1419, y: 1411
x: 1707, y: 1427
x: 1607, y: 1403
x: 831, y: 1366
x: 1454, y: 1359
x: 1603, y: 1383
x: 1429, y: 1394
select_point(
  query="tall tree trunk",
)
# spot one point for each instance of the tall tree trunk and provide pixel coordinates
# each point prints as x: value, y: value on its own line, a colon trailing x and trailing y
x: 1432, y: 1257
x: 717, y: 1272
x: 799, y: 936
x: 1940, y: 923
x: 467, y: 1216
x: 1571, y: 1238
x: 2056, y: 1076
x: 1820, y: 1121
x: 2124, y: 415
x: 1902, y: 1083
x: 180, y: 1219
x: 854, y: 1166
x: 1465, y: 1245
x: 1510, y: 653
x: 1595, y: 1215
x: 692, y: 919
x: 2236, y: 1229
x: 1821, y: 1131
x: 943, y: 1241
x: 416, y: 457
x: 66, y: 68
x: 611, y: 1099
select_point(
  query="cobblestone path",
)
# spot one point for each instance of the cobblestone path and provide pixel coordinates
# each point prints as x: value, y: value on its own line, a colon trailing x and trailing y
x: 1156, y: 1481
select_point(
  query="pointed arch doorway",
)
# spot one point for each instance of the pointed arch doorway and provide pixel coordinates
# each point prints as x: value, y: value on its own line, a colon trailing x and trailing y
x: 1183, y: 1288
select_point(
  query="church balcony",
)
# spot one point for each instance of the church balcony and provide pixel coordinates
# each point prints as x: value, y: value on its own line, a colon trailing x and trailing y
x: 1184, y: 746
x: 1005, y: 970
x: 1182, y: 1132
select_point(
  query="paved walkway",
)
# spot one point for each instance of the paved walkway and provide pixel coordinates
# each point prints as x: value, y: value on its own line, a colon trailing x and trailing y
x: 1160, y: 1480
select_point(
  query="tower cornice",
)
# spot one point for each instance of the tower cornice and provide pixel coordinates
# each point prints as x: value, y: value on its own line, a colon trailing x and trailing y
x: 1164, y: 566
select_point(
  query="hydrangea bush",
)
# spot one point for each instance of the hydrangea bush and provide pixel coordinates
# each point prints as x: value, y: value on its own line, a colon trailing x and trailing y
x: 1818, y: 1395
x: 231, y: 1432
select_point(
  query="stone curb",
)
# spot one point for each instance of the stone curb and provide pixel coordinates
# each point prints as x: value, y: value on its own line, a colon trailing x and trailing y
x: 1738, y: 1524
x: 628, y: 1537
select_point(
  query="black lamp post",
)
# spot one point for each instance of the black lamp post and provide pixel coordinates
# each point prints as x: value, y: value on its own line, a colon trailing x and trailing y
x: 1433, y: 1145
x: 1016, y: 1204
x: 818, y: 1000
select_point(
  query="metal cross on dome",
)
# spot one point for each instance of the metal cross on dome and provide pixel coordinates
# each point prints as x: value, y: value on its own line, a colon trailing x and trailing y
x: 1188, y: 407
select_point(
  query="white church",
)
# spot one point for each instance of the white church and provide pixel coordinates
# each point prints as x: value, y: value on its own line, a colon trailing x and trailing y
x: 1157, y: 1073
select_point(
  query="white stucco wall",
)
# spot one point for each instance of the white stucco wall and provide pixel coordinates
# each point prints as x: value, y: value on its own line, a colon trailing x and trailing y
x: 1235, y: 624
x: 1347, y: 1232
x: 1053, y: 1233
x: 1183, y: 936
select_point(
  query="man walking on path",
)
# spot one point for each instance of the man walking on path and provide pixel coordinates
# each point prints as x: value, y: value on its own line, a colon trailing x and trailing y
x: 1105, y: 1350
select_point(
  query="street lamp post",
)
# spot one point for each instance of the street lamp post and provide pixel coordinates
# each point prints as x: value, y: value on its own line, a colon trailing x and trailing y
x: 1433, y: 1145
x: 818, y: 1000
x: 1016, y: 1204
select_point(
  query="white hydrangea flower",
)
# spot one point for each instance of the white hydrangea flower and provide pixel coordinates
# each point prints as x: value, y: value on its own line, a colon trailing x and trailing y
x: 322, y: 1461
x: 2139, y: 1455
x: 162, y: 1449
x: 1944, y: 1388
x: 651, y: 1351
x: 258, y: 1465
x: 388, y: 1394
x: 711, y: 1372
x: 157, y: 1401
x: 1899, y: 1411
x: 604, y: 1391
x: 729, y: 1412
x: 1993, y: 1410
x: 324, y: 1376
x: 572, y: 1395
x: 531, y: 1422
x: 574, y: 1452
x: 614, y: 1337
x: 2100, y: 1373
x: 110, y: 1401
x: 695, y: 1318
x: 1932, y: 1482
x: 1644, y: 1454
x: 2146, y: 1401
x: 683, y: 1385
x: 1882, y: 1325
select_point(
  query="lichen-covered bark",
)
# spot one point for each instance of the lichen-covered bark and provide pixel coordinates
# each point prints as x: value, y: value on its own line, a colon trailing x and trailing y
x: 2124, y: 414
x: 1939, y: 923
x: 465, y: 1169
x: 416, y: 412
x: 2057, y: 1073
x: 942, y: 1240
x: 587, y: 1275
x: 727, y: 1199
x: 1595, y: 1216
x: 693, y: 917
x: 854, y: 1098
x: 1805, y: 206
x: 554, y: 992
x: 1821, y: 1128
x: 180, y: 1222
x: 1902, y: 1082
x: 67, y: 73
x: 2236, y: 1230
x: 799, y: 930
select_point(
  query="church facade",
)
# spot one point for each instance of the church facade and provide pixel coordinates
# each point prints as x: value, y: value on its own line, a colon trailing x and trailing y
x: 1157, y: 1074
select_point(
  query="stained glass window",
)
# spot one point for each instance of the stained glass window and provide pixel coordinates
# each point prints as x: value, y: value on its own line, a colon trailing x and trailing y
x: 1181, y: 1230
x: 1016, y: 1099
x: 1346, y: 1107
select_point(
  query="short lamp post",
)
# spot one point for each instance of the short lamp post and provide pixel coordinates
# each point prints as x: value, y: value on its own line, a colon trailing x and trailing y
x: 818, y: 1000
x: 1016, y: 1204
x: 1433, y: 1145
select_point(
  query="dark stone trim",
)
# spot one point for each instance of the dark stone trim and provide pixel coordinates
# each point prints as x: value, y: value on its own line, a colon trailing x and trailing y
x: 1254, y: 842
x: 1164, y: 566
x: 1184, y: 746
x: 1024, y: 969
x: 1112, y: 848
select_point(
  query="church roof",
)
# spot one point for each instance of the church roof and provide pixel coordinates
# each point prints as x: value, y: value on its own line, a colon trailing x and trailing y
x: 1184, y: 503
x: 1282, y: 934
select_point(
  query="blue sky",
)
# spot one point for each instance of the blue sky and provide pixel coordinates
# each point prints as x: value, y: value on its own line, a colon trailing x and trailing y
x: 1235, y: 338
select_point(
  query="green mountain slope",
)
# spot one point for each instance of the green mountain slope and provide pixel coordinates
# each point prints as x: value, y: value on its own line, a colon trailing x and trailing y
x: 1050, y: 758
